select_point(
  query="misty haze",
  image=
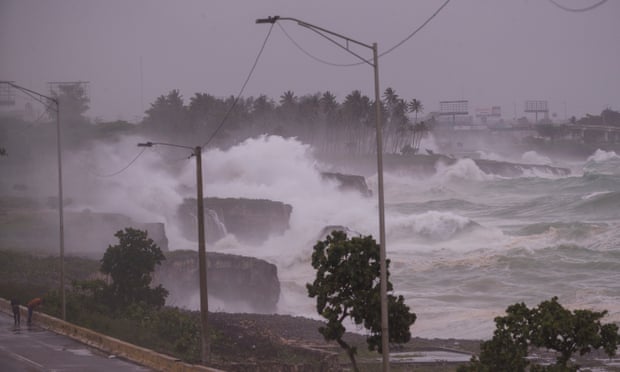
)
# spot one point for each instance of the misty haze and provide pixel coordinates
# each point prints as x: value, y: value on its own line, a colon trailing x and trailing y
x: 501, y: 147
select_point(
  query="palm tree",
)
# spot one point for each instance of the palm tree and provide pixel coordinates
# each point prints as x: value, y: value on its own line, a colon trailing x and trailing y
x: 391, y: 98
x: 288, y: 98
x: 328, y: 102
x: 419, y: 130
x: 288, y: 106
x: 416, y: 106
x: 262, y: 105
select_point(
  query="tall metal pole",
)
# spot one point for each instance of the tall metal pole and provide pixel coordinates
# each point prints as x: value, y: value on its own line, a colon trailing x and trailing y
x: 382, y: 254
x: 202, y: 259
x: 61, y: 222
x: 61, y: 215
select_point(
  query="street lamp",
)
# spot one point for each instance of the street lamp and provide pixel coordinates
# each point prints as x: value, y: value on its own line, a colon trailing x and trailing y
x: 382, y: 255
x: 60, y: 196
x: 202, y: 263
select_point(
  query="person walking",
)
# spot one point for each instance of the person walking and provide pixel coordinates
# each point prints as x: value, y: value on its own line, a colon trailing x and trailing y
x: 34, y: 303
x: 16, y: 312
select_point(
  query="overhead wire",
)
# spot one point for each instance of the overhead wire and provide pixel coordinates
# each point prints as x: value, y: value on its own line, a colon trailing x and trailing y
x: 416, y: 30
x: 245, y: 83
x: 45, y: 103
x: 391, y: 49
x: 170, y: 159
x: 306, y: 52
x: 588, y: 8
x: 123, y: 168
x: 219, y: 126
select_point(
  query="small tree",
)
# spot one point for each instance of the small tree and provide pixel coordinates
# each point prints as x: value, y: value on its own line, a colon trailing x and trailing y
x: 549, y: 326
x: 130, y: 265
x: 347, y: 286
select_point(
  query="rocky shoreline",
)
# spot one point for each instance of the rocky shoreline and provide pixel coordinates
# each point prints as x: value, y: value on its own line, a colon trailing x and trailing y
x: 271, y: 342
x: 261, y: 341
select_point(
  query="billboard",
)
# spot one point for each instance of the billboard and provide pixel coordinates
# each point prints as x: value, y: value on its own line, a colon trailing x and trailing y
x: 453, y: 107
x: 495, y: 111
x: 536, y: 106
x: 7, y: 96
x: 80, y: 87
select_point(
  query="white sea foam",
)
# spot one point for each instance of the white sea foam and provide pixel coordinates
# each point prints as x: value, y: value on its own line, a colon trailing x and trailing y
x: 490, y: 156
x: 595, y: 194
x: 602, y: 156
x: 431, y: 225
x: 463, y: 169
x: 532, y: 157
x: 457, y: 269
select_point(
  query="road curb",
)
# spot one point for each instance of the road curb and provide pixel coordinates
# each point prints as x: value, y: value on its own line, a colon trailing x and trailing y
x: 111, y: 345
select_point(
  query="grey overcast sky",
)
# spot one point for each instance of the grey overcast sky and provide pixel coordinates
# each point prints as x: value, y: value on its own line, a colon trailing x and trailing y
x: 490, y: 52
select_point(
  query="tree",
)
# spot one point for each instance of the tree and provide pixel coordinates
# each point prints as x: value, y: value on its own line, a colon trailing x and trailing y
x: 416, y: 106
x: 347, y: 286
x: 167, y: 113
x: 130, y: 264
x: 74, y: 102
x: 263, y: 106
x: 549, y: 326
x: 419, y: 131
x: 357, y: 108
x: 288, y: 106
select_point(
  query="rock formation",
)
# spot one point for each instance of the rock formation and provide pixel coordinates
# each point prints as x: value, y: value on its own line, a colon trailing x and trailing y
x: 236, y: 283
x: 250, y: 220
x: 349, y: 182
x: 27, y: 224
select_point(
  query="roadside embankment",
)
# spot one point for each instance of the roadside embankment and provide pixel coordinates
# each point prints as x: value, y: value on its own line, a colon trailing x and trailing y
x: 111, y: 345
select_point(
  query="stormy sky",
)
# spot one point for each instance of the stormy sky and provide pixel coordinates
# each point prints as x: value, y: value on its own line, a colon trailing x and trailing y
x: 490, y: 52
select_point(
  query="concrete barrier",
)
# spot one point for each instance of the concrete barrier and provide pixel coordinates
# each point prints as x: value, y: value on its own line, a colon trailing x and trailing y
x: 111, y: 345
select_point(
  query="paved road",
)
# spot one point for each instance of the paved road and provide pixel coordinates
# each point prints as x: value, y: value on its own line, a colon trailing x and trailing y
x: 30, y: 348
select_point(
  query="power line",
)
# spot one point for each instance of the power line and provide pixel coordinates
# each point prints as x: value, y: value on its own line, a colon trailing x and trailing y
x: 417, y: 29
x: 122, y: 169
x: 260, y: 52
x: 170, y: 159
x: 46, y: 103
x: 306, y: 52
x: 381, y: 54
x: 588, y: 8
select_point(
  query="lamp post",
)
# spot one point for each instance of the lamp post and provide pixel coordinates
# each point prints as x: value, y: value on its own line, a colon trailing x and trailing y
x: 382, y: 252
x: 61, y: 219
x: 202, y: 262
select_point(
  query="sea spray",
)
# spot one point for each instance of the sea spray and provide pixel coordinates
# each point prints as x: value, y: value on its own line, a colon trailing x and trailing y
x: 463, y: 244
x: 532, y: 157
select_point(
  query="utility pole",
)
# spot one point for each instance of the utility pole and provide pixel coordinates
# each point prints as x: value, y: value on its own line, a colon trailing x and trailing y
x: 382, y: 250
x: 61, y: 224
x: 202, y: 259
x: 202, y: 255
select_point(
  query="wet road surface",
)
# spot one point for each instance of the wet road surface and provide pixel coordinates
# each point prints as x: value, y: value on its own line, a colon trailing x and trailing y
x: 30, y: 348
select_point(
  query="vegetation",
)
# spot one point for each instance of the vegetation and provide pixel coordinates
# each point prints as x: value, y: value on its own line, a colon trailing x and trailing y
x: 549, y: 326
x: 347, y: 286
x: 131, y: 264
x: 237, y: 339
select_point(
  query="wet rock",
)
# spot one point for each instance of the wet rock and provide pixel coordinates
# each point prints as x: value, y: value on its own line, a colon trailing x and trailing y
x: 234, y: 283
x: 349, y: 182
x: 31, y: 226
x: 251, y: 221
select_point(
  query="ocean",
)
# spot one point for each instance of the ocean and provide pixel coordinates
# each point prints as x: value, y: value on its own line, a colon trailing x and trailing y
x: 463, y: 244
